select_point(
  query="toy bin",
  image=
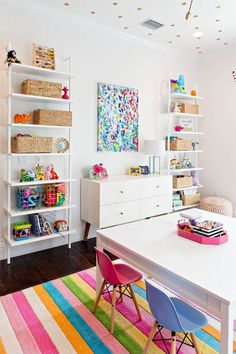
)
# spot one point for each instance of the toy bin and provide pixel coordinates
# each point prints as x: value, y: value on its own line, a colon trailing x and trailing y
x: 181, y: 145
x: 182, y: 181
x: 28, y: 198
x: 52, y: 117
x: 54, y: 194
x: 41, y: 88
x: 21, y: 231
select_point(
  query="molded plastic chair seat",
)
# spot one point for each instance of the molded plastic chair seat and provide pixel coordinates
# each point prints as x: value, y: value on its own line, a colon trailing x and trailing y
x: 116, y: 275
x: 175, y: 315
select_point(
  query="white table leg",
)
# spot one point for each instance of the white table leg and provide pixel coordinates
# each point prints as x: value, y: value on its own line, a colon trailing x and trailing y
x: 99, y: 278
x: 226, y: 329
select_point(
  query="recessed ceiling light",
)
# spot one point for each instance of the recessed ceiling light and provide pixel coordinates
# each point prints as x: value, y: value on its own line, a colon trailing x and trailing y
x: 170, y: 42
x: 218, y: 39
x: 218, y: 6
x: 125, y: 28
x: 225, y: 43
x: 198, y: 34
x: 93, y: 12
x: 184, y: 3
x: 178, y: 35
x: 173, y: 25
x: 150, y: 34
x: 115, y: 3
x: 139, y: 8
x: 66, y: 3
x: 220, y: 31
x: 217, y: 20
x: 195, y: 16
x: 197, y: 47
x: 120, y: 16
x: 199, y: 52
x: 196, y: 28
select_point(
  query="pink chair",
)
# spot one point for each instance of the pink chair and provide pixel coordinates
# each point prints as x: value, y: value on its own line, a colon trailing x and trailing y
x: 116, y: 276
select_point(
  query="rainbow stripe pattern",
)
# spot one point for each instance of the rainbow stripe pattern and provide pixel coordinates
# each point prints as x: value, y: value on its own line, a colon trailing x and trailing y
x: 55, y: 317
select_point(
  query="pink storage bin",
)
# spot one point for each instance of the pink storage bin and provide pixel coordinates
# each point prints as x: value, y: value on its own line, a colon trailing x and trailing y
x: 202, y: 239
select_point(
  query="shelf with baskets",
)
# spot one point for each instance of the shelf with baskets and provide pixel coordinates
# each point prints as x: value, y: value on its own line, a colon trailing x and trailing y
x: 183, y: 146
x: 38, y: 194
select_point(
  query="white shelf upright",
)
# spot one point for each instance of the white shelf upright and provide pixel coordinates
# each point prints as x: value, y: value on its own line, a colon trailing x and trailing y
x: 11, y: 212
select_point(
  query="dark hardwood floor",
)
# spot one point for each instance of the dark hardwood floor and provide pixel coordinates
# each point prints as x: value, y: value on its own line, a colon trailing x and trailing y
x: 35, y: 268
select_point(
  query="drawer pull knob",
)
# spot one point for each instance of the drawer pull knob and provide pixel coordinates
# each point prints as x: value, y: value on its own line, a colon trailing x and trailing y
x: 121, y: 192
x: 157, y: 205
x: 121, y: 213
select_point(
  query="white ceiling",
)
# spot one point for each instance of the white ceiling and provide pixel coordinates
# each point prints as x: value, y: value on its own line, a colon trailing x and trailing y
x: 215, y: 18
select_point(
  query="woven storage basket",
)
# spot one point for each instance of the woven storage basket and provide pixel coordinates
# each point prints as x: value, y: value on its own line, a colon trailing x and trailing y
x: 52, y: 117
x: 26, y: 144
x: 191, y: 199
x: 189, y: 108
x: 182, y: 181
x: 41, y: 88
x: 180, y: 145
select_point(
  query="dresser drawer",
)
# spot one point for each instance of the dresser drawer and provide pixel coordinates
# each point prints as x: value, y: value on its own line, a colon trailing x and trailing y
x: 156, y: 186
x: 156, y: 205
x: 118, y: 192
x: 115, y: 214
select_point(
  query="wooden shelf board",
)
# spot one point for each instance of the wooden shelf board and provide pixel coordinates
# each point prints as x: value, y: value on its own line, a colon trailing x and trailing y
x: 33, y: 239
x: 17, y: 212
x: 23, y: 97
x: 32, y: 183
x: 34, y: 70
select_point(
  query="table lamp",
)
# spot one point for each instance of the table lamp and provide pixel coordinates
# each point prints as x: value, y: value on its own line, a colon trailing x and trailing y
x: 154, y: 148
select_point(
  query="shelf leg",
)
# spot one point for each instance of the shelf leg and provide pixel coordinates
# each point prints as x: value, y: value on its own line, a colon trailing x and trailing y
x: 8, y: 254
x: 86, y: 230
x: 69, y: 241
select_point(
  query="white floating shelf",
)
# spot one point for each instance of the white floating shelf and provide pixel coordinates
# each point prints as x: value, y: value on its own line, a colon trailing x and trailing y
x: 40, y: 154
x: 185, y: 133
x: 32, y: 183
x: 183, y: 207
x: 34, y: 70
x: 186, y: 169
x: 17, y: 212
x: 38, y: 126
x: 185, y: 96
x: 184, y: 151
x: 187, y: 188
x: 191, y: 115
x: 34, y: 239
x: 32, y: 98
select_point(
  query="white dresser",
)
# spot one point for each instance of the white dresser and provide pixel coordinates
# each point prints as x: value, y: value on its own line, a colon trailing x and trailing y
x: 121, y: 199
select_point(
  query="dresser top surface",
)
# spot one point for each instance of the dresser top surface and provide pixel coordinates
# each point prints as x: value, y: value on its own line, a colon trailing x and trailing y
x: 126, y: 178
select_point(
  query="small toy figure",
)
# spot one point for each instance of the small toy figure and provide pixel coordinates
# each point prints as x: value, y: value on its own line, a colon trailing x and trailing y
x: 39, y: 175
x: 178, y: 128
x: 27, y: 176
x: 65, y: 96
x: 50, y: 173
x: 194, y: 145
x: 60, y: 225
x: 97, y: 171
x: 175, y: 107
x: 195, y: 177
x: 11, y: 57
x: 181, y: 84
x: 22, y: 118
x: 193, y: 93
x: 186, y: 163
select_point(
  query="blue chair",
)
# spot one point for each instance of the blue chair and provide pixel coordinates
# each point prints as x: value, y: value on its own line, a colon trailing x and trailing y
x: 176, y: 316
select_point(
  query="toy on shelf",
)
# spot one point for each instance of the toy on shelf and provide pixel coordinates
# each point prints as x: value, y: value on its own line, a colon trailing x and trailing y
x: 39, y: 174
x: 28, y: 198
x: 135, y: 171
x: 62, y: 145
x: 22, y: 118
x: 174, y: 164
x: 54, y: 195
x: 194, y: 145
x: 97, y: 172
x: 40, y: 225
x: 186, y: 163
x: 175, y: 107
x: 65, y: 96
x: 21, y: 230
x: 50, y: 173
x: 60, y: 225
x: 27, y: 176
x: 193, y: 93
x: 195, y: 178
x: 178, y: 128
x: 11, y: 57
x: 178, y: 86
x: 144, y: 170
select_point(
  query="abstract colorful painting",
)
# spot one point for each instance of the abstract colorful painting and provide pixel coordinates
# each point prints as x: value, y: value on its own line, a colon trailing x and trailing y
x: 118, y: 118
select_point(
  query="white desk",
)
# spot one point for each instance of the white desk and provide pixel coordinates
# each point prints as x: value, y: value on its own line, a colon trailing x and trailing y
x: 202, y: 274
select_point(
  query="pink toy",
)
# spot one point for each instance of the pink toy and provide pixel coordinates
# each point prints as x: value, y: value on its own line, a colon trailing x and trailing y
x: 65, y: 96
x: 195, y: 177
x: 50, y: 173
x: 178, y: 128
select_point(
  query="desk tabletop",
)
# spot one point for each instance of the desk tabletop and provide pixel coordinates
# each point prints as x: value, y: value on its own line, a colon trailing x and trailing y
x: 210, y: 267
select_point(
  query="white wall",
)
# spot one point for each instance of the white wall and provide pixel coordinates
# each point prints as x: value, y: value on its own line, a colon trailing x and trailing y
x: 219, y: 89
x: 96, y: 57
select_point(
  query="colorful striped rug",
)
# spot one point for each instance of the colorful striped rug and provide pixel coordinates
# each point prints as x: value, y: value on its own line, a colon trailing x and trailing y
x: 56, y: 317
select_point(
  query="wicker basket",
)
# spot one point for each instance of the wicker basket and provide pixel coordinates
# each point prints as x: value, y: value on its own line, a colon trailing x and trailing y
x: 26, y: 144
x: 191, y: 199
x: 189, y: 108
x: 182, y: 181
x: 41, y: 88
x: 180, y: 145
x: 52, y: 117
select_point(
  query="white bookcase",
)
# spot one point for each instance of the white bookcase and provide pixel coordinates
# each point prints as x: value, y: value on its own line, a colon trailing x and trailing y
x: 29, y: 102
x: 194, y: 135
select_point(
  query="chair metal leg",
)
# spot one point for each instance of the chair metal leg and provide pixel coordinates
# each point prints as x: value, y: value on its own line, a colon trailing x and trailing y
x: 135, y: 302
x: 121, y: 295
x: 173, y: 343
x: 150, y: 338
x: 99, y: 296
x: 195, y: 343
x: 113, y: 306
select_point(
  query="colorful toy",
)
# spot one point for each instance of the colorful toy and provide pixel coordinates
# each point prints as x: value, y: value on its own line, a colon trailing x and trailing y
x: 186, y: 163
x: 39, y: 174
x: 22, y: 118
x: 50, y: 173
x: 178, y: 86
x: 193, y: 93
x: 28, y: 198
x: 27, y: 176
x: 40, y: 225
x: 60, y: 225
x: 144, y: 170
x: 97, y: 172
x: 65, y: 96
x: 174, y: 164
x: 11, y: 57
x: 178, y: 128
x: 54, y: 194
x: 175, y: 107
x: 135, y: 171
x: 21, y: 230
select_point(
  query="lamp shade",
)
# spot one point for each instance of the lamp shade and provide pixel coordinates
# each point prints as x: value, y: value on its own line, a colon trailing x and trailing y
x: 154, y: 147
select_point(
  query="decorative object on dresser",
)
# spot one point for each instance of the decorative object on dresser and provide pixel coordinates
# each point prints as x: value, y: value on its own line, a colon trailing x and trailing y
x: 135, y: 171
x: 121, y: 199
x: 97, y: 172
x: 118, y: 118
x: 155, y: 149
x: 43, y: 57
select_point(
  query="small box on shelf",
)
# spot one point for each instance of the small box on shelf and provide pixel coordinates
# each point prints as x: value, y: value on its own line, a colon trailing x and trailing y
x: 42, y: 88
x: 31, y: 144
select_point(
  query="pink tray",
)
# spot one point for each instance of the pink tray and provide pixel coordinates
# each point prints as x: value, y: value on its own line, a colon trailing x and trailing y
x: 202, y: 239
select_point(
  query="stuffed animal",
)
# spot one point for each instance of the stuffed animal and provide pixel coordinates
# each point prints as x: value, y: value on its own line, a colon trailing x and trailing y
x: 39, y: 175
x: 22, y: 118
x: 11, y: 57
